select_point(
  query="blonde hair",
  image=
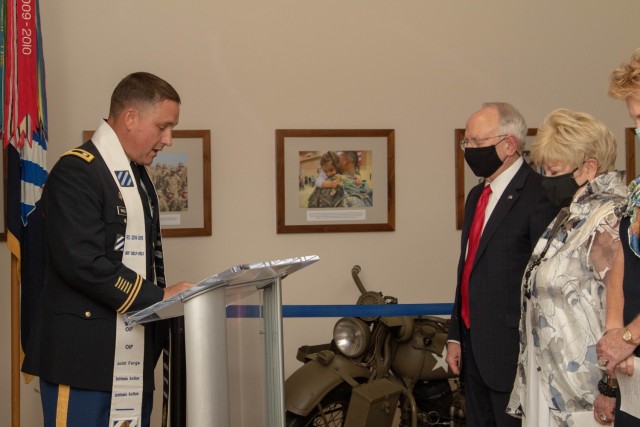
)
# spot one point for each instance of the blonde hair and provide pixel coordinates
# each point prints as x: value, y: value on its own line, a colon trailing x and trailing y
x: 570, y: 138
x: 625, y: 80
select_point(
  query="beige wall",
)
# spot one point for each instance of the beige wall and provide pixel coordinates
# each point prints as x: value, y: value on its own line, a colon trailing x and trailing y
x: 245, y: 68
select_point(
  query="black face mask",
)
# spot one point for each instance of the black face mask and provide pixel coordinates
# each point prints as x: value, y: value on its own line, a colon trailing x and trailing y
x: 483, y: 161
x: 561, y: 189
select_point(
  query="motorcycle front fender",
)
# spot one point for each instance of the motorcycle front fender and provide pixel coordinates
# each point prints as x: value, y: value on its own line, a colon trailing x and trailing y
x: 307, y: 386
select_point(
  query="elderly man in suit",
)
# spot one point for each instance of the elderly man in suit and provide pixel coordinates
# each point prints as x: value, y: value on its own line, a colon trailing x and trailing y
x: 504, y: 217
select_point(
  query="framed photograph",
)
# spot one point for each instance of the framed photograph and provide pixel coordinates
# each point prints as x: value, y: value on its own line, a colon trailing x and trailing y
x: 465, y: 179
x: 335, y: 180
x: 182, y: 177
x: 631, y: 163
x: 3, y: 195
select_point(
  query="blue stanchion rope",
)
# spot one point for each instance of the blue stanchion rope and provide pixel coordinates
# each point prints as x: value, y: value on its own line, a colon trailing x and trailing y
x: 251, y: 311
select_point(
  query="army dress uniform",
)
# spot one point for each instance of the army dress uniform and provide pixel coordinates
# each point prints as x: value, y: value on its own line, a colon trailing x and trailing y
x: 86, y: 283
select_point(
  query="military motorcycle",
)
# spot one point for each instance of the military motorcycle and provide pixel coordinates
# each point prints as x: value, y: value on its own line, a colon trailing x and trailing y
x: 376, y: 371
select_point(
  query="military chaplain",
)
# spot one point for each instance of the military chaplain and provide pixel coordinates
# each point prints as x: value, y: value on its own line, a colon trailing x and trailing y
x: 104, y: 259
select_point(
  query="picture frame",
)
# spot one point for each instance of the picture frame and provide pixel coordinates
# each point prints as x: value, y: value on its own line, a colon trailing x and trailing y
x: 188, y: 157
x: 465, y: 180
x: 632, y: 168
x: 360, y: 201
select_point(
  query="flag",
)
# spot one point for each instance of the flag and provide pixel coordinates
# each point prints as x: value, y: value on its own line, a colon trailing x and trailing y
x: 24, y: 136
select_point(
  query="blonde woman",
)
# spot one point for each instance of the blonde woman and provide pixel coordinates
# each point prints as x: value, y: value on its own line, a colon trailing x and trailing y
x: 565, y: 284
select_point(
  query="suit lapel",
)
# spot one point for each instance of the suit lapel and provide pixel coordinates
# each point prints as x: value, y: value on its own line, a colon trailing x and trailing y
x: 470, y: 210
x: 508, y: 199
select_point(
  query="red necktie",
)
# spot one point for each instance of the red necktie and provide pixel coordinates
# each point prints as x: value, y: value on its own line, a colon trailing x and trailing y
x: 472, y: 248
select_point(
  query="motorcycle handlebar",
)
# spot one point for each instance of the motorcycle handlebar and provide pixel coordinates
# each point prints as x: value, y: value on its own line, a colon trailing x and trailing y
x: 355, y: 270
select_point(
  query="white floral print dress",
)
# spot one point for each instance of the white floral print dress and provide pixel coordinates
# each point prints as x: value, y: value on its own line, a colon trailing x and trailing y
x: 563, y: 307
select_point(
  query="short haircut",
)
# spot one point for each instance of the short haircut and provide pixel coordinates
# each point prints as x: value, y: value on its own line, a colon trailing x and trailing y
x: 625, y: 80
x: 510, y: 121
x: 570, y: 138
x: 141, y: 89
x: 352, y: 156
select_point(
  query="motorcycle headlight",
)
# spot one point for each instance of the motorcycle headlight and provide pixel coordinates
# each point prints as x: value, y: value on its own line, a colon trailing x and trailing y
x: 352, y: 336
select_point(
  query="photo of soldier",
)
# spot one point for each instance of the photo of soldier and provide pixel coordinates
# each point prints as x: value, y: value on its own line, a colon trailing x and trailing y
x: 184, y: 199
x: 335, y: 179
x: 169, y: 173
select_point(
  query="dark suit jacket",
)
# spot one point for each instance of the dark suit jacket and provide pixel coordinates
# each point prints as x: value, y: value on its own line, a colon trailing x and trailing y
x: 508, y: 239
x: 73, y: 337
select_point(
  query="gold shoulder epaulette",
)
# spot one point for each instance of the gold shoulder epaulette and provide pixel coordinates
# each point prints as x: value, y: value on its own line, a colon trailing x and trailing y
x: 83, y: 154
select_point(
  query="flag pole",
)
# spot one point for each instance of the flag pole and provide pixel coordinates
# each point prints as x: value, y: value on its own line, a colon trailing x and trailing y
x: 15, y: 344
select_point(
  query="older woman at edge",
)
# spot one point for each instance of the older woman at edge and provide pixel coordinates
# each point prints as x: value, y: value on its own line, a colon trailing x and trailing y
x: 617, y: 348
x: 567, y: 278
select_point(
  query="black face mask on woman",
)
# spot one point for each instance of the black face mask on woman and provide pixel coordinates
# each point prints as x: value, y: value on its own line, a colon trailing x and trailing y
x: 561, y: 189
x: 483, y: 161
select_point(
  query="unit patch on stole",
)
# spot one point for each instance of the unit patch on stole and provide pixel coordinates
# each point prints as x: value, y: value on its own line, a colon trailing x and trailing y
x: 126, y: 423
x: 124, y: 178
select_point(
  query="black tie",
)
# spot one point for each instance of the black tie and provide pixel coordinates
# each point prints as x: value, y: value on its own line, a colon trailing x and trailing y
x: 144, y: 182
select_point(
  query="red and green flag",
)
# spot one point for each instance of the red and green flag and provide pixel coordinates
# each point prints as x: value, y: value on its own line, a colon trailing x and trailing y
x: 24, y: 136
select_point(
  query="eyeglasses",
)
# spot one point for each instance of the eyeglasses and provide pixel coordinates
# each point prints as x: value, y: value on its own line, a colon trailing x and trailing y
x: 473, y: 142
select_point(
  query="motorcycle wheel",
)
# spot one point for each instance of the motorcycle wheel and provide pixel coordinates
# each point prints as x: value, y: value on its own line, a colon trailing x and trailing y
x: 331, y: 412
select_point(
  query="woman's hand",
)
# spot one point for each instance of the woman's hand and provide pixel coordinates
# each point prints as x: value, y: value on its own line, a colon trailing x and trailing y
x: 603, y: 409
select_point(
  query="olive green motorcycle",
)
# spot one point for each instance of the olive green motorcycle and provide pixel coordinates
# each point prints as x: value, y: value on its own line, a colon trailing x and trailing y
x: 376, y: 372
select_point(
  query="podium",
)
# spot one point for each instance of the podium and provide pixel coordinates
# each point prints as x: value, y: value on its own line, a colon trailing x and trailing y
x: 205, y: 316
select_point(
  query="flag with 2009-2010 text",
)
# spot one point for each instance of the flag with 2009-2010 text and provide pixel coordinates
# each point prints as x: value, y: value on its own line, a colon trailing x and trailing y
x: 24, y: 137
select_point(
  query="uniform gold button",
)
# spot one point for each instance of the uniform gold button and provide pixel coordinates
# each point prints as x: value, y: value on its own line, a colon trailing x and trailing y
x: 87, y: 314
x: 125, y: 220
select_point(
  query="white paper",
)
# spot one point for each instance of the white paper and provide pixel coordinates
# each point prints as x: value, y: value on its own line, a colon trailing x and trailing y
x: 582, y: 419
x: 336, y: 215
x: 630, y: 390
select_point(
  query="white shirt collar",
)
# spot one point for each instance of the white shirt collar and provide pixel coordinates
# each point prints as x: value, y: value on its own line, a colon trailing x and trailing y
x: 499, y: 184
